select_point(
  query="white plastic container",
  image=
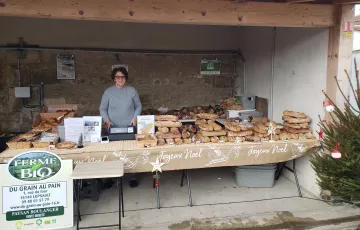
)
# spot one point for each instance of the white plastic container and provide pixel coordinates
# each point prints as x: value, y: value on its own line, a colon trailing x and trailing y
x: 255, y: 176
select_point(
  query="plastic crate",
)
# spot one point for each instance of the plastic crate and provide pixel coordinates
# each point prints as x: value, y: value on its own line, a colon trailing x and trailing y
x: 255, y: 176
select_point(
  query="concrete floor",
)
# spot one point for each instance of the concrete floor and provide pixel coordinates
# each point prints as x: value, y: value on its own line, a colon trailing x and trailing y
x: 218, y: 204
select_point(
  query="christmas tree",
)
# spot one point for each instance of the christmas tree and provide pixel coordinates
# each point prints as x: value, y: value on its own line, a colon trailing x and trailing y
x: 338, y: 165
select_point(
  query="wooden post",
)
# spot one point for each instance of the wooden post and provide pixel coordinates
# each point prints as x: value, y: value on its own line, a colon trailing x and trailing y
x: 340, y: 54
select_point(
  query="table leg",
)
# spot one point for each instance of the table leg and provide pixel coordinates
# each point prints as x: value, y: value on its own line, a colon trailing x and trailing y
x: 296, y: 178
x: 157, y: 193
x: 154, y: 181
x: 293, y: 170
x: 282, y: 164
x: 78, y: 204
x: 122, y: 198
x: 120, y: 195
x: 189, y: 187
x: 182, y: 178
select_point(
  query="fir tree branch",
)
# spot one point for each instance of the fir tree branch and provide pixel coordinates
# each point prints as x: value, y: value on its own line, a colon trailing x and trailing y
x: 346, y: 99
x: 353, y: 90
x: 357, y: 77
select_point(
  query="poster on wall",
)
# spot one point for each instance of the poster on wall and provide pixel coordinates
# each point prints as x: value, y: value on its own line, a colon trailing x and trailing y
x: 210, y: 67
x: 120, y: 65
x: 65, y: 67
x: 36, y: 192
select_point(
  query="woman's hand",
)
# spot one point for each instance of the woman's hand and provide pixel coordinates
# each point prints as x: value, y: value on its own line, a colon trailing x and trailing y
x: 133, y: 122
x: 108, y: 123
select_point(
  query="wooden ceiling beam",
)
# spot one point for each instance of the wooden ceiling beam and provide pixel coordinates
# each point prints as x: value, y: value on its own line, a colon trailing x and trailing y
x: 346, y: 1
x: 299, y: 1
x: 210, y: 12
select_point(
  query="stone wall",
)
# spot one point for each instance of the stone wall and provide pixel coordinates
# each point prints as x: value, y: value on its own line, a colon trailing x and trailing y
x: 172, y: 81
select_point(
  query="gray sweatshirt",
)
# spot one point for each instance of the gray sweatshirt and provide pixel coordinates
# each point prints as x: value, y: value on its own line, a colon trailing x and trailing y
x: 120, y: 105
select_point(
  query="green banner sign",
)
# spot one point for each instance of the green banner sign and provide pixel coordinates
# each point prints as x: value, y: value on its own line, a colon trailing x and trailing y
x: 35, y: 213
x: 210, y: 67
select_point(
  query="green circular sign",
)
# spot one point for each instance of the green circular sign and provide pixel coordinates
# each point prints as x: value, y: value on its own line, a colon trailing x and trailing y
x: 34, y: 166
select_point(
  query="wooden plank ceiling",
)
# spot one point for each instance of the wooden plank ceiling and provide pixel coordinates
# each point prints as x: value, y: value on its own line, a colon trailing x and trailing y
x: 210, y: 12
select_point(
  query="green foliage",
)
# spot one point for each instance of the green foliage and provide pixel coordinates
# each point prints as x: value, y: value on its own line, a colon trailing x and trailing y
x: 342, y: 176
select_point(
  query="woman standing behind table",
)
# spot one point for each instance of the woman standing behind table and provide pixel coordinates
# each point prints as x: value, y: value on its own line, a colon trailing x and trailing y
x: 120, y: 105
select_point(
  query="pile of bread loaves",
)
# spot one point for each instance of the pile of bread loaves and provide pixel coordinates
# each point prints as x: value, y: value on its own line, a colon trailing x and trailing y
x: 168, y: 130
x: 208, y: 129
x: 237, y: 132
x: 205, y: 130
x: 296, y: 126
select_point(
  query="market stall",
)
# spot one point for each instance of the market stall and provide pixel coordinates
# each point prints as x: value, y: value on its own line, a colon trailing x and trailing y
x: 182, y: 138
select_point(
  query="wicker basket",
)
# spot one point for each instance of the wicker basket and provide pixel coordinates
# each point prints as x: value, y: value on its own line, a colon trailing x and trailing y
x: 44, y: 144
x: 49, y: 111
x: 145, y: 143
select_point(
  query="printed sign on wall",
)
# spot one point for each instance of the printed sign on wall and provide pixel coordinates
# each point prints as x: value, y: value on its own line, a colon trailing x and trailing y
x: 210, y: 67
x: 65, y: 67
x: 36, y: 192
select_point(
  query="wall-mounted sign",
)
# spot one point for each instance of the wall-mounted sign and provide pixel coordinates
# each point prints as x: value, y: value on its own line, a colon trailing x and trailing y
x: 36, y: 192
x: 210, y: 67
x: 65, y: 67
x: 346, y: 27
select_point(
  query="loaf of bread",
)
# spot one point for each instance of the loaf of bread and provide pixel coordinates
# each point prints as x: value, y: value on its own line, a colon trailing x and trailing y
x: 206, y: 127
x: 235, y: 126
x: 294, y: 114
x: 214, y: 139
x: 187, y: 140
x: 275, y: 137
x: 213, y: 133
x: 215, y: 126
x: 293, y: 120
x: 174, y: 131
x: 163, y: 129
x: 256, y: 134
x: 208, y: 116
x: 161, y: 142
x: 178, y: 141
x: 200, y: 122
x: 239, y: 134
x: 291, y: 130
x: 252, y: 139
x: 297, y: 126
x: 191, y: 128
x: 166, y: 118
x: 223, y: 138
x: 169, y: 124
x: 167, y: 135
x: 284, y: 136
x: 204, y: 139
x: 170, y: 141
x: 262, y: 120
x: 66, y: 145
x: 260, y: 128
x: 197, y: 138
x: 185, y: 134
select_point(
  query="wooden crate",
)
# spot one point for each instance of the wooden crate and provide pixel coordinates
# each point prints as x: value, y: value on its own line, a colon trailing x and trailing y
x: 145, y: 143
x: 15, y: 143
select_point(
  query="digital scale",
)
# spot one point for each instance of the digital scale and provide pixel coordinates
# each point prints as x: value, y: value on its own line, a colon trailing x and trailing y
x: 121, y: 133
